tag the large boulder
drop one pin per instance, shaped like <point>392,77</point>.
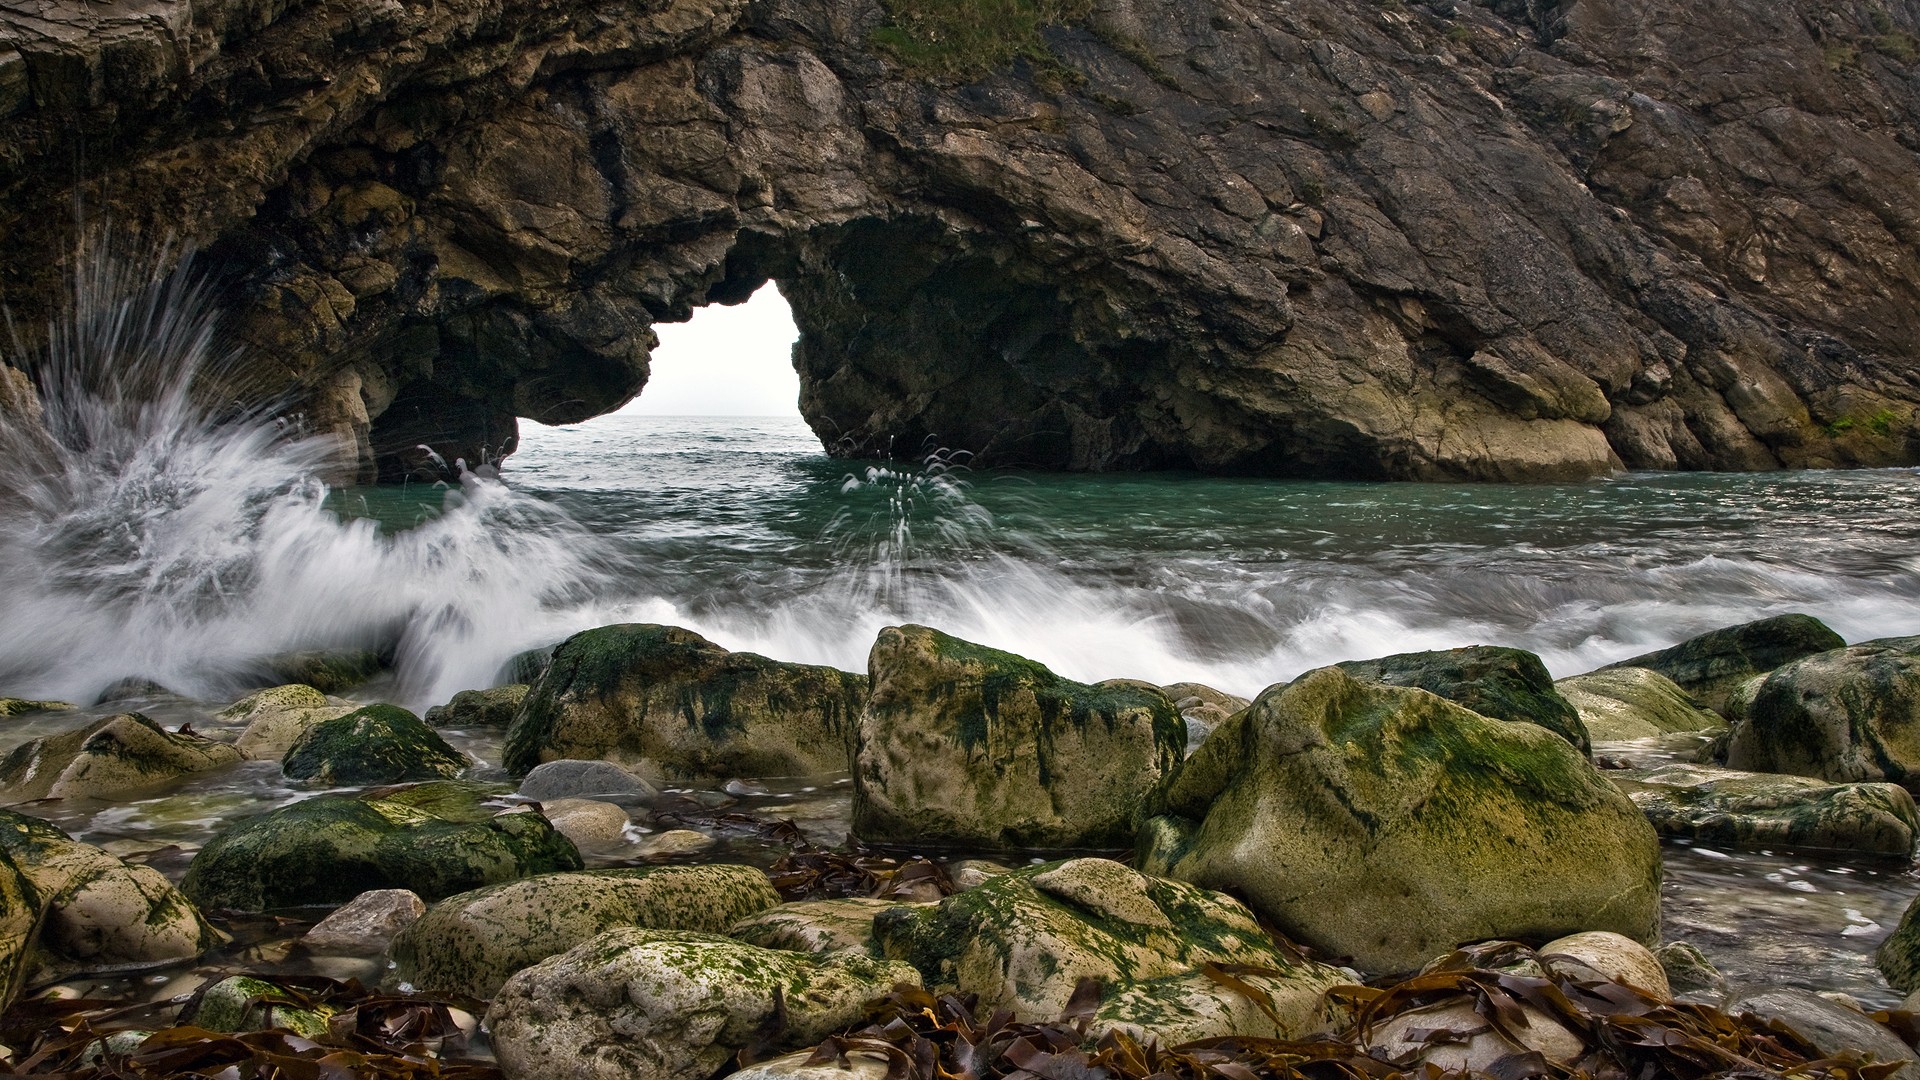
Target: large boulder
<point>1387,824</point>
<point>1025,940</point>
<point>469,944</point>
<point>379,744</point>
<point>1712,666</point>
<point>1727,808</point>
<point>329,849</point>
<point>1506,684</point>
<point>965,745</point>
<point>100,912</point>
<point>276,717</point>
<point>1617,704</point>
<point>670,704</point>
<point>493,708</point>
<point>674,1005</point>
<point>108,757</point>
<point>1849,714</point>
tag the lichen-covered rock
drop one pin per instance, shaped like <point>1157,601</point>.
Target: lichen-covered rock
<point>100,912</point>
<point>1506,684</point>
<point>1608,956</point>
<point>1617,704</point>
<point>493,708</point>
<point>106,758</point>
<point>1689,973</point>
<point>20,915</point>
<point>21,707</point>
<point>1833,1029</point>
<point>815,926</point>
<point>329,849</point>
<point>366,924</point>
<point>1899,955</point>
<point>1727,808</point>
<point>275,718</point>
<point>669,703</point>
<point>569,779</point>
<point>243,1003</point>
<point>673,1005</point>
<point>1025,940</point>
<point>470,943</point>
<point>966,745</point>
<point>1288,1005</point>
<point>1849,714</point>
<point>378,744</point>
<point>1387,824</point>
<point>1711,666</point>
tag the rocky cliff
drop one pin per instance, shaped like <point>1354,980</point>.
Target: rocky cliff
<point>1517,239</point>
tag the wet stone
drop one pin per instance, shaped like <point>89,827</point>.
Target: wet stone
<point>364,925</point>
<point>569,779</point>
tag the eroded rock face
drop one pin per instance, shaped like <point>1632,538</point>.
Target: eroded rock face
<point>669,703</point>
<point>1495,241</point>
<point>1388,824</point>
<point>962,744</point>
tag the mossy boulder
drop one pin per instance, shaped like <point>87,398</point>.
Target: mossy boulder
<point>1899,955</point>
<point>494,708</point>
<point>329,849</point>
<point>1387,824</point>
<point>1752,811</point>
<point>1847,715</point>
<point>117,754</point>
<point>1506,684</point>
<point>379,744</point>
<point>1024,941</point>
<point>20,915</point>
<point>964,745</point>
<point>327,670</point>
<point>100,912</point>
<point>1710,667</point>
<point>276,717</point>
<point>1619,704</point>
<point>243,1003</point>
<point>470,943</point>
<point>674,1005</point>
<point>815,926</point>
<point>21,707</point>
<point>668,703</point>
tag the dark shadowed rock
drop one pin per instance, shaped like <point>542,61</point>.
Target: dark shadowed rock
<point>378,744</point>
<point>1848,715</point>
<point>1712,666</point>
<point>1506,684</point>
<point>493,708</point>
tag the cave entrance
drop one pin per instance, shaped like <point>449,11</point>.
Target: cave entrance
<point>727,360</point>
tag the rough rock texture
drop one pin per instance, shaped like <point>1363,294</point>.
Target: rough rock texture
<point>1494,240</point>
<point>1850,714</point>
<point>1633,703</point>
<point>364,925</point>
<point>1387,824</point>
<point>1025,940</point>
<point>962,744</point>
<point>379,744</point>
<point>107,757</point>
<point>494,708</point>
<point>1689,973</point>
<point>329,849</point>
<point>100,912</point>
<point>1754,811</point>
<point>1832,1028</point>
<point>278,716</point>
<point>671,1005</point>
<point>1506,684</point>
<point>669,703</point>
<point>1714,665</point>
<point>589,823</point>
<point>470,943</point>
<point>815,926</point>
<point>20,914</point>
<point>1899,955</point>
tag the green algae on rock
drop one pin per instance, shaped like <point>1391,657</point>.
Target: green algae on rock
<point>1711,666</point>
<point>107,757</point>
<point>1492,680</point>
<point>21,707</point>
<point>1387,824</point>
<point>331,848</point>
<point>1618,704</point>
<point>667,702</point>
<point>675,1005</point>
<point>20,913</point>
<point>1728,808</point>
<point>277,716</point>
<point>244,1003</point>
<point>471,943</point>
<point>1850,714</point>
<point>961,744</point>
<point>378,744</point>
<point>492,708</point>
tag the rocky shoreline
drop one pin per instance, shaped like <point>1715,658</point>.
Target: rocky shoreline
<point>1136,866</point>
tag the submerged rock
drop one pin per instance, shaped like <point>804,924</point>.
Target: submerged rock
<point>1025,940</point>
<point>329,849</point>
<point>494,708</point>
<point>965,745</point>
<point>1848,715</point>
<point>100,912</point>
<point>107,757</point>
<point>1712,666</point>
<point>1617,704</point>
<point>364,925</point>
<point>673,1005</point>
<point>378,744</point>
<point>1503,683</point>
<point>470,943</point>
<point>277,717</point>
<point>1727,808</point>
<point>669,703</point>
<point>1387,824</point>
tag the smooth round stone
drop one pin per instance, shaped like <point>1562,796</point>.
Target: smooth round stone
<point>581,779</point>
<point>589,823</point>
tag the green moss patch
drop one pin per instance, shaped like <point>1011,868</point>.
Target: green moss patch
<point>967,39</point>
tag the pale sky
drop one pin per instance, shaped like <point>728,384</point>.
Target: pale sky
<point>725,361</point>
